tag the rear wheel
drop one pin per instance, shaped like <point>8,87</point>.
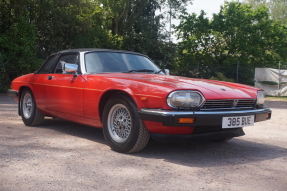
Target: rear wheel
<point>30,114</point>
<point>123,129</point>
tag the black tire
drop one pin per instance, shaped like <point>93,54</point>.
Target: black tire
<point>31,116</point>
<point>123,129</point>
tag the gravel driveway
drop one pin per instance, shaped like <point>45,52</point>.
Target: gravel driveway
<point>62,155</point>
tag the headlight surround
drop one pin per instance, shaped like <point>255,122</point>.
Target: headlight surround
<point>260,98</point>
<point>185,99</point>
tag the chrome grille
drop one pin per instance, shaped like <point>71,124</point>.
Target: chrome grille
<point>245,103</point>
<point>227,104</point>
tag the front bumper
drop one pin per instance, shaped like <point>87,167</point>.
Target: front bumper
<point>12,93</point>
<point>202,118</point>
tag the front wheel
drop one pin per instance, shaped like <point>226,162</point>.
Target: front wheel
<point>123,129</point>
<point>30,114</point>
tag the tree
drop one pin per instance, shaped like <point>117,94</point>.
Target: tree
<point>236,33</point>
<point>36,28</point>
<point>30,30</point>
<point>148,37</point>
<point>141,30</point>
<point>17,42</point>
<point>125,13</point>
<point>60,24</point>
<point>277,8</point>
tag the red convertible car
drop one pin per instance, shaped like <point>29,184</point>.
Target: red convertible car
<point>128,96</point>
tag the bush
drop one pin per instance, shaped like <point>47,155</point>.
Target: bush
<point>221,77</point>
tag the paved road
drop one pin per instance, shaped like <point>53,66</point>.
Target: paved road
<point>61,155</point>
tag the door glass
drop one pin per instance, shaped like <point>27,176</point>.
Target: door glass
<point>48,65</point>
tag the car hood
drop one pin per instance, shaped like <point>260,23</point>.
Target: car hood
<point>209,88</point>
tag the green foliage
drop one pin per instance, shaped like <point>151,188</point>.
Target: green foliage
<point>221,77</point>
<point>269,82</point>
<point>276,98</point>
<point>17,43</point>
<point>124,14</point>
<point>272,83</point>
<point>277,8</point>
<point>146,37</point>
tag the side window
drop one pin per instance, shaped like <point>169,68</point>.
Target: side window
<point>48,65</point>
<point>70,59</point>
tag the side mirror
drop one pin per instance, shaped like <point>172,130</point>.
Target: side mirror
<point>166,71</point>
<point>70,68</point>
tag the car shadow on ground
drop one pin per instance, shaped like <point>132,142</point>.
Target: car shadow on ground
<point>196,154</point>
<point>207,154</point>
<point>74,129</point>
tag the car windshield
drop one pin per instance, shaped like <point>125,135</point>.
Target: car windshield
<point>102,62</point>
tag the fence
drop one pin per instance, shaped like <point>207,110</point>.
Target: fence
<point>273,81</point>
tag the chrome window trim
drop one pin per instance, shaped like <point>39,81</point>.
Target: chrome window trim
<point>82,62</point>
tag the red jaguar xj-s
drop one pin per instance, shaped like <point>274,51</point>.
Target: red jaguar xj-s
<point>128,96</point>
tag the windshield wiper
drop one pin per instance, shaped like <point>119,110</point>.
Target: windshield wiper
<point>141,70</point>
<point>161,70</point>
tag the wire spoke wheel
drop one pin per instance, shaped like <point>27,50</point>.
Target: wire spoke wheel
<point>30,114</point>
<point>123,129</point>
<point>27,106</point>
<point>119,123</point>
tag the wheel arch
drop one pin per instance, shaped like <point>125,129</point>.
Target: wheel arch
<point>107,95</point>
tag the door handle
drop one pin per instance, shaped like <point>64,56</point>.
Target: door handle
<point>50,77</point>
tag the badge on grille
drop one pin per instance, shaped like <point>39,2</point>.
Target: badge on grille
<point>235,102</point>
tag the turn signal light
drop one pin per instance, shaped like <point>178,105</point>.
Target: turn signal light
<point>186,120</point>
<point>268,115</point>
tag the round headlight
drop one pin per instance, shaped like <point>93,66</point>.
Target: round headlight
<point>260,98</point>
<point>185,99</point>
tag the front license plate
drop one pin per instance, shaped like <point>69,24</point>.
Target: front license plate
<point>234,122</point>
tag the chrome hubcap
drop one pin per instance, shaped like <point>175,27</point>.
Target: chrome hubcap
<point>119,123</point>
<point>27,106</point>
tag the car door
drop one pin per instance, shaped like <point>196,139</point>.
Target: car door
<point>64,91</point>
<point>38,81</point>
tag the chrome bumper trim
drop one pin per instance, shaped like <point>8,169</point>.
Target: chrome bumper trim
<point>175,113</point>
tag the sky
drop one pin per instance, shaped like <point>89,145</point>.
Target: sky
<point>209,7</point>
